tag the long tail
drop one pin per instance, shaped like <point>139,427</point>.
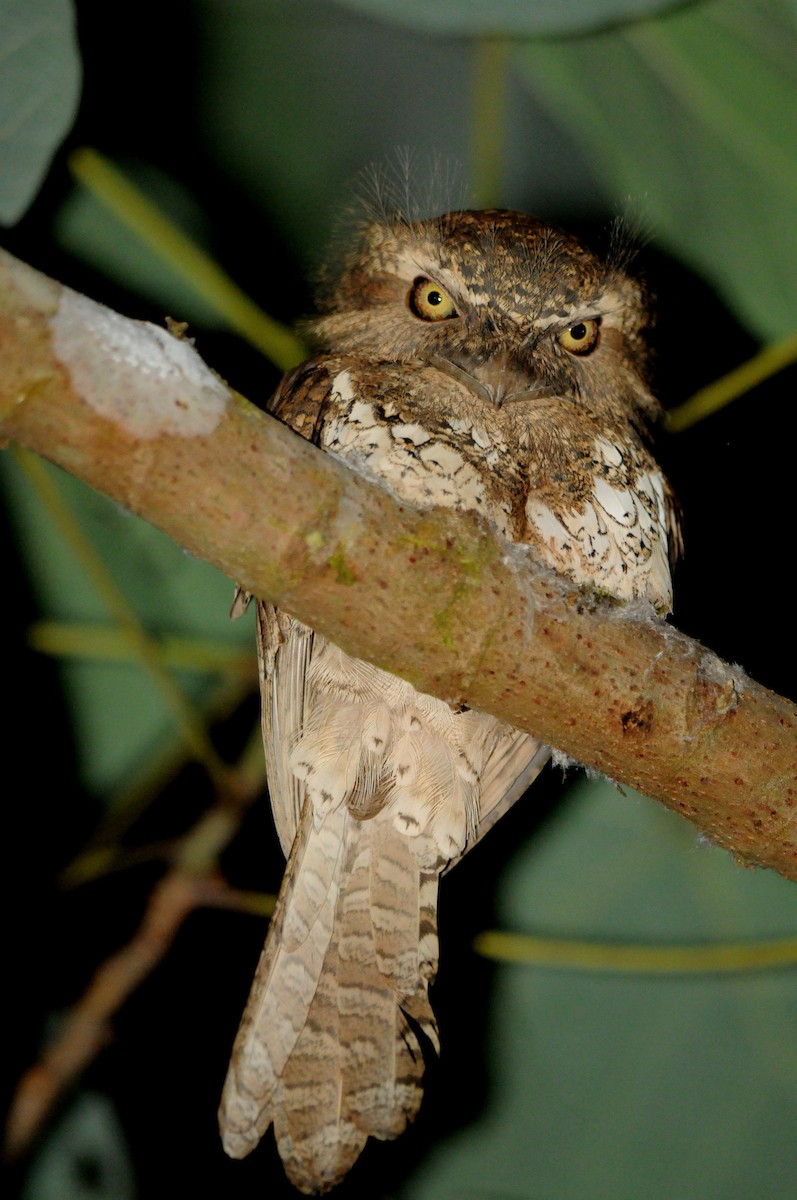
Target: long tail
<point>328,1049</point>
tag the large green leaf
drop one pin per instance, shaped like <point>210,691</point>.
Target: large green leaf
<point>316,94</point>
<point>39,88</point>
<point>516,18</point>
<point>612,1085</point>
<point>694,116</point>
<point>120,718</point>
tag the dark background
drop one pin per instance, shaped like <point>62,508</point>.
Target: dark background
<point>153,102</point>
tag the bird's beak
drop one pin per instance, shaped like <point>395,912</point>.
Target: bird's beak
<point>504,381</point>
<point>498,380</point>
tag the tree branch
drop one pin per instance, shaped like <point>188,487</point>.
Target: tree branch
<point>436,597</point>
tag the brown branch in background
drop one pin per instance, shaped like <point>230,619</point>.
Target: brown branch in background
<point>87,1028</point>
<point>191,883</point>
<point>134,412</point>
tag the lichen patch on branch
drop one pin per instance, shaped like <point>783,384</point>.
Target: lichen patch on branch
<point>132,373</point>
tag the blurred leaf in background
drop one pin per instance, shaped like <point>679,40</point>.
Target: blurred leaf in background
<point>86,1159</point>
<point>39,90</point>
<point>631,1084</point>
<point>693,115</point>
<point>511,18</point>
<point>245,122</point>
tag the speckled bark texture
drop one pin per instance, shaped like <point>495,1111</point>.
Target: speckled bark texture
<point>435,597</point>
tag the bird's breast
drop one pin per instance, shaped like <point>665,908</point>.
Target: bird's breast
<point>591,502</point>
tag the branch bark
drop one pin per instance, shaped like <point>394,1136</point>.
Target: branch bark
<point>436,597</point>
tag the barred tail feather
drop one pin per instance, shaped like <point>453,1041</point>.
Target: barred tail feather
<point>328,1050</point>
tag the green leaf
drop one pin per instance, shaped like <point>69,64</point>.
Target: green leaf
<point>693,116</point>
<point>85,1156</point>
<point>39,89</point>
<point>515,18</point>
<point>610,1085</point>
<point>120,717</point>
<point>315,95</point>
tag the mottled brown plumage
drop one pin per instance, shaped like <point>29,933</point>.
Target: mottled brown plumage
<point>480,361</point>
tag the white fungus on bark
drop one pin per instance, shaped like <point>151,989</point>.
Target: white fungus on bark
<point>142,378</point>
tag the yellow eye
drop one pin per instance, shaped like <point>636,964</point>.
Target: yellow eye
<point>429,302</point>
<point>581,338</point>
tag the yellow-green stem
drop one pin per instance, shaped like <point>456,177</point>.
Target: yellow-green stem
<point>489,117</point>
<point>638,959</point>
<point>145,649</point>
<point>197,268</point>
<point>729,387</point>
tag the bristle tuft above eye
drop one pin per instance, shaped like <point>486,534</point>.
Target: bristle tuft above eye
<point>409,188</point>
